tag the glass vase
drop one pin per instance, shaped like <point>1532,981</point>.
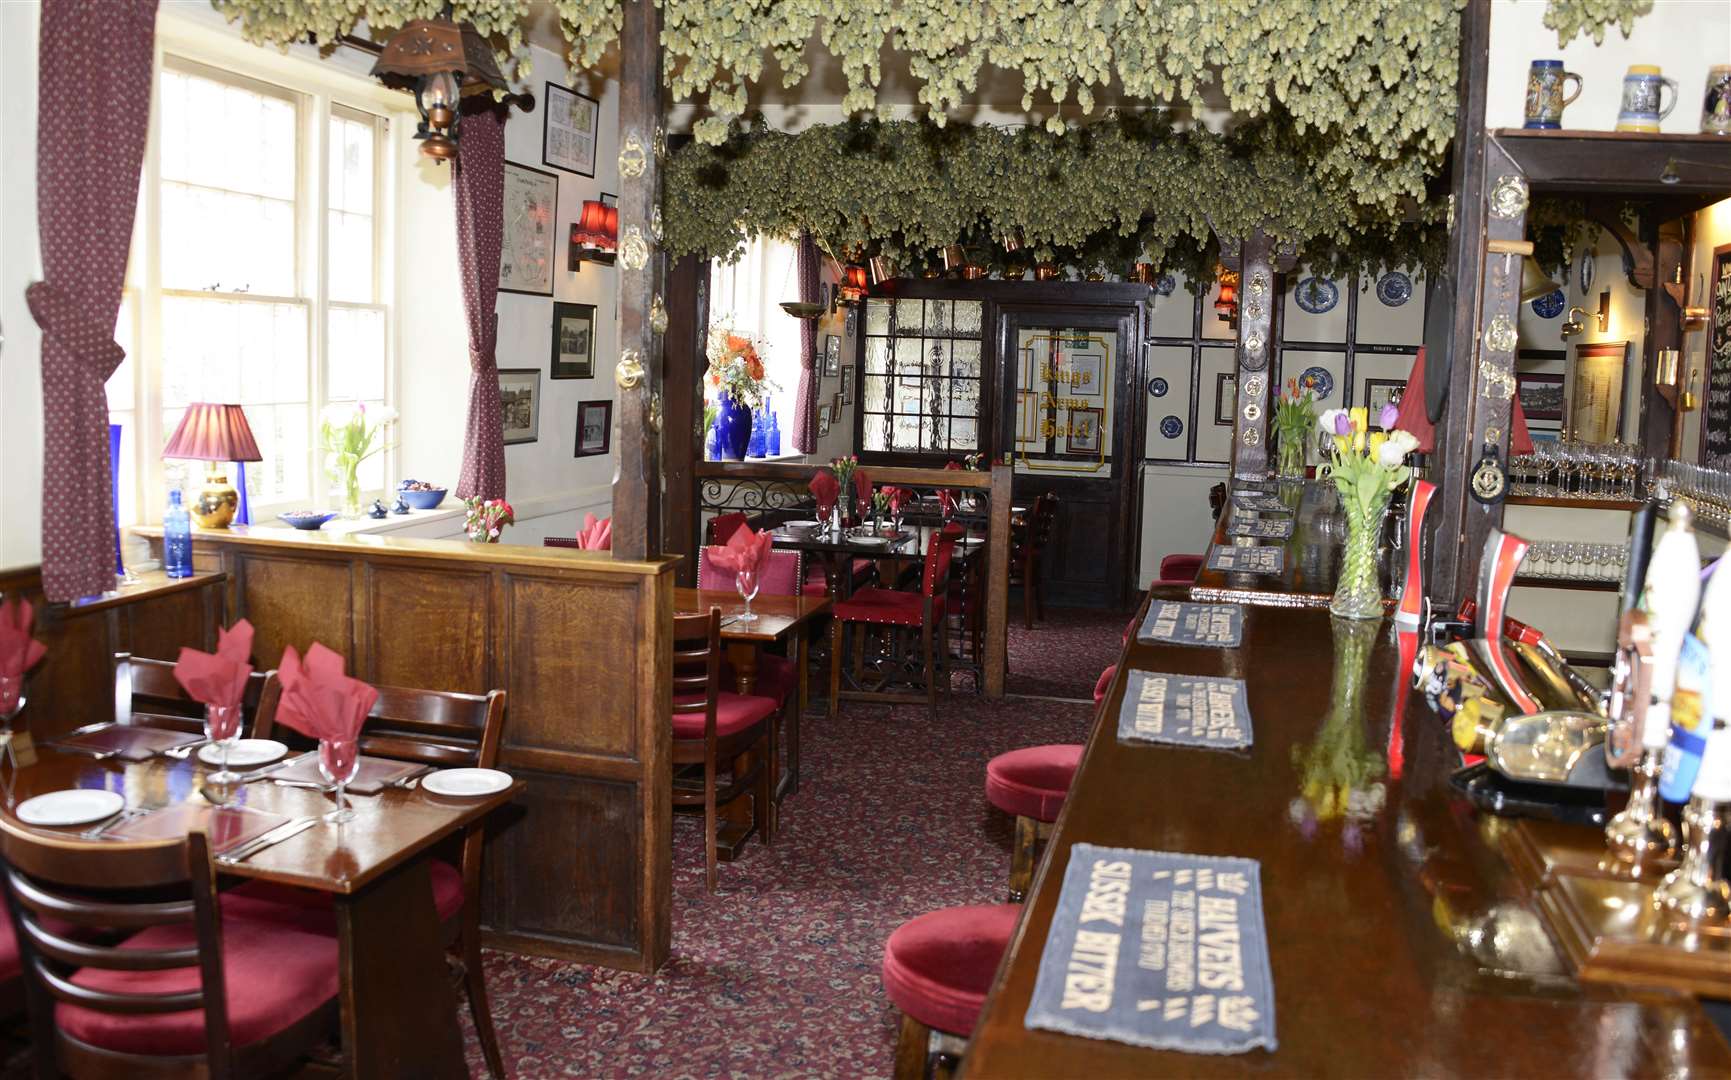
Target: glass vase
<point>1357,593</point>
<point>1289,460</point>
<point>351,478</point>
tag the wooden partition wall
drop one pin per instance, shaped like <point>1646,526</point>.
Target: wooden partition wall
<point>580,642</point>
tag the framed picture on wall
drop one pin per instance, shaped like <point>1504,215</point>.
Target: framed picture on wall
<point>1087,371</point>
<point>1541,395</point>
<point>835,406</point>
<point>1380,392</point>
<point>1595,409</point>
<point>568,130</point>
<point>594,428</point>
<point>520,404</point>
<point>1225,397</point>
<point>831,355</point>
<point>1084,434</point>
<point>822,422</point>
<point>573,341</point>
<point>847,385</point>
<point>610,199</point>
<point>526,253</point>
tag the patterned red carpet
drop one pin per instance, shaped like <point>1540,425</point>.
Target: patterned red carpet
<point>778,973</point>
<point>1064,655</point>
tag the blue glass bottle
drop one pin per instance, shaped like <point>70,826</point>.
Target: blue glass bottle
<point>758,435</point>
<point>176,539</point>
<point>774,436</point>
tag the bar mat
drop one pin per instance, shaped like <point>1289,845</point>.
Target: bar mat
<point>372,777</point>
<point>127,742</point>
<point>227,826</point>
<point>1279,528</point>
<point>1158,949</point>
<point>1251,560</point>
<point>1260,501</point>
<point>1185,710</point>
<point>1180,622</point>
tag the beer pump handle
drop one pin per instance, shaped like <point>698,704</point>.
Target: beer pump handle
<point>1640,551</point>
<point>1713,780</point>
<point>1670,597</point>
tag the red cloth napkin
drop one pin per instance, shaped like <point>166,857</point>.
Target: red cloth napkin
<point>19,652</point>
<point>218,678</point>
<point>744,550</point>
<point>824,489</point>
<point>595,535</point>
<point>898,498</point>
<point>862,486</point>
<point>318,699</point>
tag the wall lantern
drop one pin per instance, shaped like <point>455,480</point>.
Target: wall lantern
<point>441,61</point>
<point>853,285</point>
<point>1226,304</point>
<point>1573,325</point>
<point>594,235</point>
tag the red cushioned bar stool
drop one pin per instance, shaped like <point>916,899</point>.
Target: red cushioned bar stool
<point>1031,784</point>
<point>937,970</point>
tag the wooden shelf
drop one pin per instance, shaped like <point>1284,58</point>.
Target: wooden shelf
<point>1572,502</point>
<point>1577,584</point>
<point>1623,163</point>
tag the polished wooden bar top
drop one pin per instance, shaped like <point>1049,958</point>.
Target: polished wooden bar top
<point>387,830</point>
<point>1312,553</point>
<point>145,585</point>
<point>776,615</point>
<point>1399,941</point>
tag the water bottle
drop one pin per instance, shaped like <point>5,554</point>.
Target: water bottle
<point>176,539</point>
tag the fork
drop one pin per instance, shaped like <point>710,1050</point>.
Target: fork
<point>95,832</point>
<point>181,753</point>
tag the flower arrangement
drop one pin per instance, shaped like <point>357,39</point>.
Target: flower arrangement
<point>1340,773</point>
<point>844,467</point>
<point>350,433</point>
<point>735,367</point>
<point>1366,467</point>
<point>485,519</point>
<point>972,462</point>
<point>1294,414</point>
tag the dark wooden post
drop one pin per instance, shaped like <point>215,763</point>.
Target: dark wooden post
<point>1659,404</point>
<point>642,311</point>
<point>1254,256</point>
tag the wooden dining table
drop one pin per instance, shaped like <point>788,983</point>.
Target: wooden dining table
<point>398,1006</point>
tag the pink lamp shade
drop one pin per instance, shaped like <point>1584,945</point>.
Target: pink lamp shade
<point>213,432</point>
<point>1412,415</point>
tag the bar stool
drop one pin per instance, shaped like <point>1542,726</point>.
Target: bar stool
<point>1030,784</point>
<point>1105,684</point>
<point>1180,568</point>
<point>937,970</point>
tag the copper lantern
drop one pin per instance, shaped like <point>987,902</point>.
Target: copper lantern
<point>441,61</point>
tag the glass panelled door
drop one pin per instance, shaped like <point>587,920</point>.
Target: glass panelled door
<point>1064,400</point>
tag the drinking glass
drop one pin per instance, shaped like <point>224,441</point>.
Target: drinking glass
<point>1546,453</point>
<point>746,582</point>
<point>339,761</point>
<point>222,728</point>
<point>1571,556</point>
<point>824,515</point>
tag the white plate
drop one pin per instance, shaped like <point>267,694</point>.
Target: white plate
<point>799,524</point>
<point>72,807</point>
<point>465,781</point>
<point>971,540</point>
<point>245,753</point>
<point>868,541</point>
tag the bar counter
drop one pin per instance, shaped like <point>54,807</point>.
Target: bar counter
<point>1312,554</point>
<point>1399,940</point>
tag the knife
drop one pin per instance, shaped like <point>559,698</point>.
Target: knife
<point>273,837</point>
<point>266,770</point>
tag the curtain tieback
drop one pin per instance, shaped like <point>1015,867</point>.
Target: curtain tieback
<point>68,319</point>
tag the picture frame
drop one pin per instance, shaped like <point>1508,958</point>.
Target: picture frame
<point>1225,397</point>
<point>847,381</point>
<point>1090,369</point>
<point>526,252</point>
<point>831,355</point>
<point>610,199</point>
<point>1082,434</point>
<point>594,428</point>
<point>573,341</point>
<point>1542,395</point>
<point>822,421</point>
<point>1027,417</point>
<point>1380,392</point>
<point>1596,405</point>
<point>570,125</point>
<point>835,406</point>
<point>520,404</point>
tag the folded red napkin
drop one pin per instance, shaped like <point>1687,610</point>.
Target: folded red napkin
<point>744,550</point>
<point>595,535</point>
<point>862,486</point>
<point>898,498</point>
<point>218,678</point>
<point>19,652</point>
<point>318,699</point>
<point>824,489</point>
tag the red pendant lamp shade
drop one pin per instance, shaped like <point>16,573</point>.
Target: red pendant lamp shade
<point>610,229</point>
<point>591,228</point>
<point>213,432</point>
<point>1413,419</point>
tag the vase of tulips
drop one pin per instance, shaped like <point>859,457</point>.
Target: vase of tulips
<point>1367,467</point>
<point>350,433</point>
<point>1294,419</point>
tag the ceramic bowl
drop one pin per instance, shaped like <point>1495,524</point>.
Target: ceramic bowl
<point>306,520</point>
<point>423,500</point>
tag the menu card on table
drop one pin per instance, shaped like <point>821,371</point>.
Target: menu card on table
<point>228,827</point>
<point>1186,710</point>
<point>126,742</point>
<point>1264,559</point>
<point>1262,501</point>
<point>1279,528</point>
<point>1180,622</point>
<point>373,776</point>
<point>1158,949</point>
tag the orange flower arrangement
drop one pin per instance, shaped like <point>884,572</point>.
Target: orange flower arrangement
<point>735,366</point>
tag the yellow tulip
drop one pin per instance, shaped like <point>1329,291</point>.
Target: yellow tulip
<point>1360,425</point>
<point>1342,446</point>
<point>1377,438</point>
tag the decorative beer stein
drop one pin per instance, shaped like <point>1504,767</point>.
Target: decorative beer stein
<point>1545,100</point>
<point>1643,90</point>
<point>1716,109</point>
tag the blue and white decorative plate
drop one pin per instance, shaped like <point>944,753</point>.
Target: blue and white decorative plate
<point>1165,285</point>
<point>1171,427</point>
<point>1318,380</point>
<point>1157,386</point>
<point>1584,269</point>
<point>1394,288</point>
<point>1549,307</point>
<point>1317,295</point>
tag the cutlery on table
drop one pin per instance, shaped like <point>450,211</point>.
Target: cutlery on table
<point>181,753</point>
<point>94,755</point>
<point>270,839</point>
<point>96,831</point>
<point>265,770</point>
<point>411,779</point>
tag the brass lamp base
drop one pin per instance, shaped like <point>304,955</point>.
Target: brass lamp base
<point>216,503</point>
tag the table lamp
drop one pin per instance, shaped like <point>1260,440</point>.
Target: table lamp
<point>214,434</point>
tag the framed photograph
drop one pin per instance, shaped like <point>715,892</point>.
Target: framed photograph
<point>1084,434</point>
<point>568,129</point>
<point>822,422</point>
<point>1088,369</point>
<point>1027,417</point>
<point>1380,392</point>
<point>526,255</point>
<point>835,406</point>
<point>1541,395</point>
<point>1225,397</point>
<point>520,404</point>
<point>1596,406</point>
<point>847,385</point>
<point>610,199</point>
<point>594,428</point>
<point>831,355</point>
<point>573,341</point>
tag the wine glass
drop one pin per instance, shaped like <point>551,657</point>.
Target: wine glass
<point>11,704</point>
<point>339,761</point>
<point>222,728</point>
<point>825,513</point>
<point>746,582</point>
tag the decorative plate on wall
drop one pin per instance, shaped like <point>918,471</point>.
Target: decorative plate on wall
<point>1157,386</point>
<point>1317,295</point>
<point>1394,288</point>
<point>1171,427</point>
<point>1549,307</point>
<point>1318,380</point>
<point>1165,285</point>
<point>1584,269</point>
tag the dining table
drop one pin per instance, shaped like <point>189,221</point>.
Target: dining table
<point>398,1005</point>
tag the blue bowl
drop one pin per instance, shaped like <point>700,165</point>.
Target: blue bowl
<point>308,522</point>
<point>423,500</point>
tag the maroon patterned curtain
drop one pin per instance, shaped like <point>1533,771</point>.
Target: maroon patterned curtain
<point>480,189</point>
<point>804,401</point>
<point>92,116</point>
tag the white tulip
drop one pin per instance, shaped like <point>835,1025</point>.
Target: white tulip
<point>1325,422</point>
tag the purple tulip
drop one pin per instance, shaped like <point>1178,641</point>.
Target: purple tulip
<point>1390,414</point>
<point>1342,424</point>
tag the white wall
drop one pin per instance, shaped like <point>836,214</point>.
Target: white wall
<point>20,264</point>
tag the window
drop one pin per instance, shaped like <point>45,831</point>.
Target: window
<point>257,277</point>
<point>749,294</point>
<point>921,390</point>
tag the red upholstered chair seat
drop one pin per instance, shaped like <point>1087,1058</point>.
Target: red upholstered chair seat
<point>1033,781</point>
<point>1104,684</point>
<point>733,714</point>
<point>885,606</point>
<point>1181,568</point>
<point>723,526</point>
<point>816,581</point>
<point>938,967</point>
<point>277,974</point>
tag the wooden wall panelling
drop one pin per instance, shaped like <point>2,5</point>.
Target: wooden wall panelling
<point>295,601</point>
<point>417,618</point>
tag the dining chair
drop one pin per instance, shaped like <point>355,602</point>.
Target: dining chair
<point>445,730</point>
<point>1028,545</point>
<point>780,677</point>
<point>899,615</point>
<point>723,526</point>
<point>193,986</point>
<point>717,730</point>
<point>937,969</point>
<point>146,693</point>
